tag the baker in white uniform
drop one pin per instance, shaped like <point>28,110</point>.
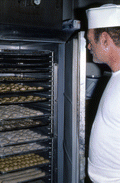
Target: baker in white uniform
<point>104,44</point>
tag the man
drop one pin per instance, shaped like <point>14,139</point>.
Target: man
<point>104,44</point>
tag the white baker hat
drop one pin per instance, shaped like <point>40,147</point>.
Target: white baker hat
<point>107,15</point>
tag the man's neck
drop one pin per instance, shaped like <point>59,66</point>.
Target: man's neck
<point>115,59</point>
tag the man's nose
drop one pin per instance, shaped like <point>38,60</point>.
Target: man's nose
<point>89,46</point>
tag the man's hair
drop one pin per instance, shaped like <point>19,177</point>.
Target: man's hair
<point>114,33</point>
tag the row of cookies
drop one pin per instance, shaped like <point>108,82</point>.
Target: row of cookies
<point>14,87</point>
<point>20,136</point>
<point>19,99</point>
<point>21,161</point>
<point>16,111</point>
<point>10,150</point>
<point>11,124</point>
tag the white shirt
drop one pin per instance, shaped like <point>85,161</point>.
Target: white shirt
<point>104,147</point>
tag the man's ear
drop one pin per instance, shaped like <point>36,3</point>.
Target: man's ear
<point>105,39</point>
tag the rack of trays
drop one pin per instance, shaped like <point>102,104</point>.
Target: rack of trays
<point>26,120</point>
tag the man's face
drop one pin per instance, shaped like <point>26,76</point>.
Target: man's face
<point>94,47</point>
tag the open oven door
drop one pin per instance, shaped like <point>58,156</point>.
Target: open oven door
<point>74,101</point>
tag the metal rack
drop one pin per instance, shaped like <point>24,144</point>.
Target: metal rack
<point>27,109</point>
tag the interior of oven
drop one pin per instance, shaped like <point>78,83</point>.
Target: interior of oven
<point>27,122</point>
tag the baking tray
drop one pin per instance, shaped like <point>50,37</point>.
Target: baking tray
<point>22,149</point>
<point>22,70</point>
<point>20,112</point>
<point>26,117</point>
<point>6,125</point>
<point>20,88</point>
<point>24,62</point>
<point>20,79</point>
<point>19,99</point>
<point>22,162</point>
<point>26,175</point>
<point>36,181</point>
<point>26,53</point>
<point>22,136</point>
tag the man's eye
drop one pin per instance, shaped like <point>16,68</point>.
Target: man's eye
<point>88,42</point>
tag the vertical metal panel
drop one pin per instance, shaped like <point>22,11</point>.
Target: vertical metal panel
<point>74,139</point>
<point>75,160</point>
<point>68,113</point>
<point>61,56</point>
<point>81,97</point>
<point>55,125</point>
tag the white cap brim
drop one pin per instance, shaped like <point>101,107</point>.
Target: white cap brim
<point>107,15</point>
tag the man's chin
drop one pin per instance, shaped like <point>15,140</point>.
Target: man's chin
<point>97,61</point>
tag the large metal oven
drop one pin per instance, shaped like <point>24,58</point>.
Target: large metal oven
<point>28,112</point>
<point>42,103</point>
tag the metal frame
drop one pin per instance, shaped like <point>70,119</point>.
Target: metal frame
<point>61,62</point>
<point>75,152</point>
<point>81,102</point>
